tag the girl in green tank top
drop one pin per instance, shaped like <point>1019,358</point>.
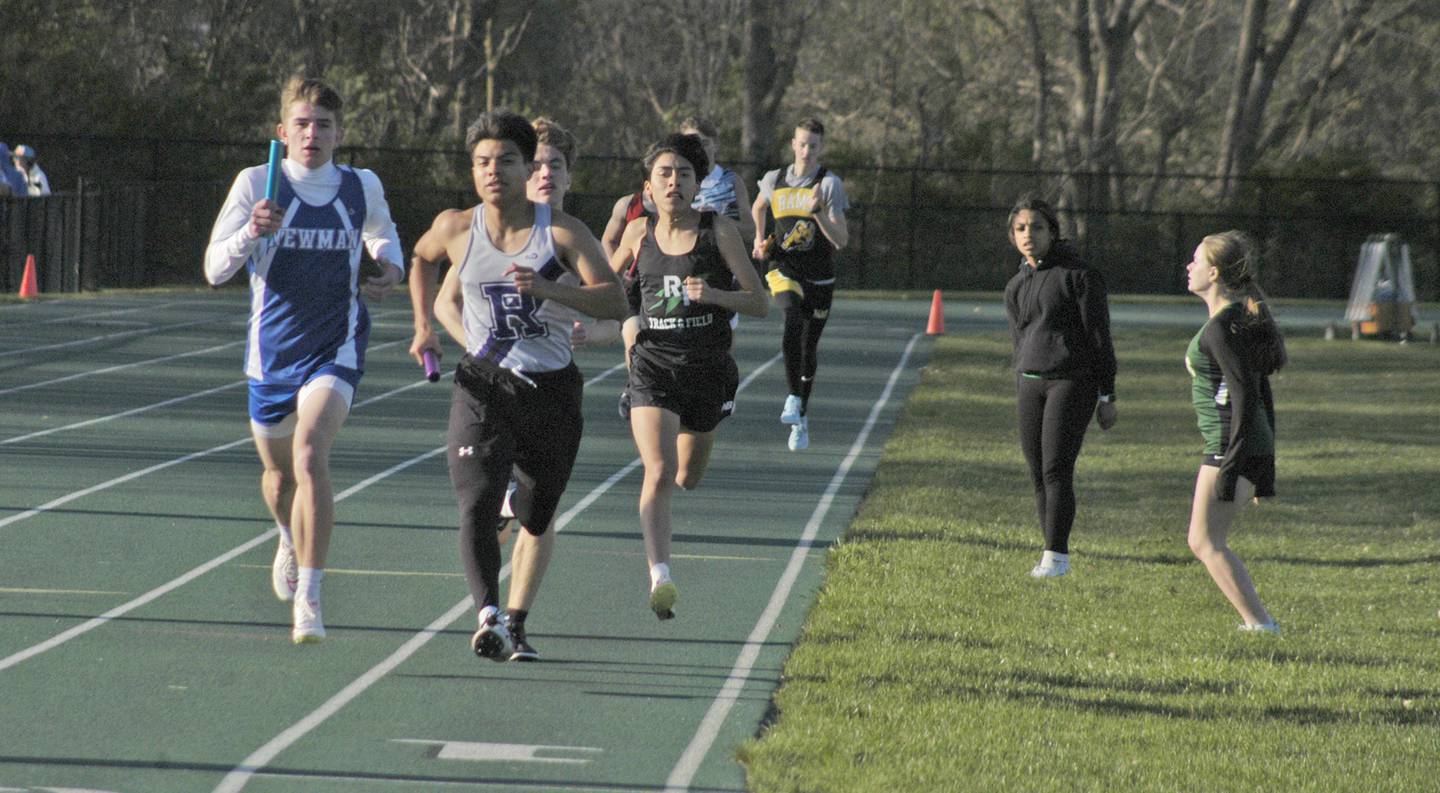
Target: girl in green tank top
<point>1230,361</point>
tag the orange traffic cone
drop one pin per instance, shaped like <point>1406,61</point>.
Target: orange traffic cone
<point>28,286</point>
<point>937,317</point>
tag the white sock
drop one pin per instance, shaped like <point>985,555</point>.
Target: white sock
<point>659,573</point>
<point>1053,559</point>
<point>308,585</point>
<point>285,535</point>
<point>489,611</point>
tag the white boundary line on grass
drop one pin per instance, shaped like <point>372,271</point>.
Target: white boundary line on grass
<point>253,765</point>
<point>694,754</point>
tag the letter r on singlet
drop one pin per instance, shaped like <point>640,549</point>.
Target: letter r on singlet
<point>512,314</point>
<point>673,287</point>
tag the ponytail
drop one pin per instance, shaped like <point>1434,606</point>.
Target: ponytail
<point>1234,256</point>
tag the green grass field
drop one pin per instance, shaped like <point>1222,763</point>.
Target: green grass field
<point>933,662</point>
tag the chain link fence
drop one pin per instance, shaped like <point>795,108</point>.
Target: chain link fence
<point>141,216</point>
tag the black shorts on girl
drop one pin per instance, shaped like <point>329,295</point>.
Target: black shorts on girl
<point>1260,470</point>
<point>701,392</point>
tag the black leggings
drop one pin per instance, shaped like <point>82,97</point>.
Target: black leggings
<point>498,421</point>
<point>1053,417</point>
<point>805,320</point>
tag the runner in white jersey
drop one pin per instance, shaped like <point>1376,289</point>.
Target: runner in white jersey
<point>518,268</point>
<point>308,327</point>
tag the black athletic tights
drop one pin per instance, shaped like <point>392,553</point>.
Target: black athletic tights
<point>804,322</point>
<point>1053,417</point>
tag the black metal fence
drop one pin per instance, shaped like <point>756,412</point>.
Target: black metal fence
<point>148,221</point>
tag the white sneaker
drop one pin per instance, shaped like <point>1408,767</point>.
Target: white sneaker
<point>1264,627</point>
<point>662,598</point>
<point>791,413</point>
<point>284,573</point>
<point>506,510</point>
<point>493,639</point>
<point>308,627</point>
<point>800,435</point>
<point>1052,565</point>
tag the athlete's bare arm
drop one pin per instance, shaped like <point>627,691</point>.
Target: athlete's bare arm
<point>429,252</point>
<point>628,245</point>
<point>742,200</point>
<point>750,299</point>
<point>758,211</point>
<point>615,228</point>
<point>599,294</point>
<point>450,306</point>
<point>831,222</point>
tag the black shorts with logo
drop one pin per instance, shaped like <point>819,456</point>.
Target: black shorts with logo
<point>701,392</point>
<point>498,420</point>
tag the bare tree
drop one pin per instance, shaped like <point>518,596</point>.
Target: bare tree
<point>771,41</point>
<point>442,51</point>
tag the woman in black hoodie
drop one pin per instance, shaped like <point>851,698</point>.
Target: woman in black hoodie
<point>1064,364</point>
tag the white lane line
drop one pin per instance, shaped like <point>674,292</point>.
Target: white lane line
<point>131,412</point>
<point>119,335</point>
<point>86,317</point>
<point>153,361</point>
<point>689,764</point>
<point>252,765</point>
<point>21,590</point>
<point>119,367</point>
<point>329,571</point>
<point>83,628</point>
<point>92,624</point>
<point>176,400</point>
<point>119,480</point>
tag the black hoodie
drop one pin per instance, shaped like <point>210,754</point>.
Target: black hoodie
<point>1060,319</point>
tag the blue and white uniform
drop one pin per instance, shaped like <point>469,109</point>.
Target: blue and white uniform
<point>307,321</point>
<point>717,193</point>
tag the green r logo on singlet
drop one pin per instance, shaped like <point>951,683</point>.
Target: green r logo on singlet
<point>672,293</point>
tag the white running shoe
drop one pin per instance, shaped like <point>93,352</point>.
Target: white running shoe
<point>506,510</point>
<point>493,639</point>
<point>1052,565</point>
<point>800,435</point>
<point>662,598</point>
<point>1264,627</point>
<point>308,627</point>
<point>791,413</point>
<point>284,573</point>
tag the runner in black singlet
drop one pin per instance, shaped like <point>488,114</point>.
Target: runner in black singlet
<point>682,378</point>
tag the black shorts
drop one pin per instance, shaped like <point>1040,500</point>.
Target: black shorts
<point>1260,470</point>
<point>498,420</point>
<point>702,394</point>
<point>793,293</point>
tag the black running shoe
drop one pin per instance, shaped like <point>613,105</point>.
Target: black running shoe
<point>625,404</point>
<point>523,650</point>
